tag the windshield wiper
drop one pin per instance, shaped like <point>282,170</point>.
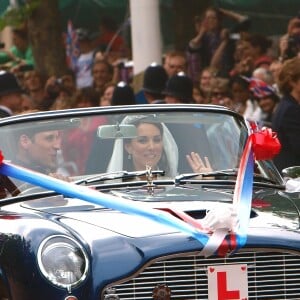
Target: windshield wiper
<point>204,175</point>
<point>118,175</point>
<point>259,178</point>
<point>22,198</point>
<point>218,174</point>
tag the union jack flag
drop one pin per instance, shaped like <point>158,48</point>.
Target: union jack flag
<point>72,48</point>
<point>259,88</point>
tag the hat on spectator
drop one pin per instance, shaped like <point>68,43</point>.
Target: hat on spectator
<point>180,86</point>
<point>155,78</point>
<point>263,60</point>
<point>9,84</point>
<point>259,88</point>
<point>123,94</point>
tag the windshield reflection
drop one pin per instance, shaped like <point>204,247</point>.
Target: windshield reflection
<point>173,142</point>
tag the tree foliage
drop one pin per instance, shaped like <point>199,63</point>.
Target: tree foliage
<point>15,16</point>
<point>43,21</point>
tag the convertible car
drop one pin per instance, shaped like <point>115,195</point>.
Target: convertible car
<point>96,205</point>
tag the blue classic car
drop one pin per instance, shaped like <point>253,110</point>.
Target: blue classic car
<point>144,202</point>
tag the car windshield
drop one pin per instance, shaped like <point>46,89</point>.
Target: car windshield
<point>83,144</point>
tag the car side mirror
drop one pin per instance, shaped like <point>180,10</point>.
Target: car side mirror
<point>291,172</point>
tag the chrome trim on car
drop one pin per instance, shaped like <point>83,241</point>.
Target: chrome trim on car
<point>272,274</point>
<point>44,272</point>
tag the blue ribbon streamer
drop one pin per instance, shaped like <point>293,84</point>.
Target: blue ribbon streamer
<point>98,198</point>
<point>243,193</point>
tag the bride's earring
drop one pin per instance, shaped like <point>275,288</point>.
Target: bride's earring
<point>129,156</point>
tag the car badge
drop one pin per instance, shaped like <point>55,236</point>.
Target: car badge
<point>162,292</point>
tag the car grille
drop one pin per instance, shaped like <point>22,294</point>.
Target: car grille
<point>271,275</point>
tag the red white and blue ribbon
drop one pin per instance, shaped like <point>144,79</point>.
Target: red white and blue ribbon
<point>242,197</point>
<point>260,145</point>
<point>230,233</point>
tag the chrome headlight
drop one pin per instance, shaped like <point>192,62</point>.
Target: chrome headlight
<point>62,261</point>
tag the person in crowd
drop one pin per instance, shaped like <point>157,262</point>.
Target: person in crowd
<point>220,93</point>
<point>154,82</point>
<point>212,41</point>
<point>256,46</point>
<point>102,72</point>
<point>105,99</point>
<point>267,99</point>
<point>122,66</point>
<point>253,54</point>
<point>20,54</point>
<point>85,97</point>
<point>59,91</point>
<point>68,82</point>
<point>10,94</point>
<point>242,65</point>
<point>174,61</point>
<point>35,87</point>
<point>286,120</point>
<point>179,89</point>
<point>77,144</point>
<point>205,79</point>
<point>289,43</point>
<point>123,94</point>
<point>243,101</point>
<point>198,95</point>
<point>153,147</point>
<point>85,59</point>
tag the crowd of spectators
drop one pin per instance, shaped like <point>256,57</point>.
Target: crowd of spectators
<point>247,72</point>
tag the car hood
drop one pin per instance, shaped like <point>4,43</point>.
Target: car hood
<point>270,209</point>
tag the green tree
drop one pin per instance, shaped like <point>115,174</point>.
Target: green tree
<point>45,33</point>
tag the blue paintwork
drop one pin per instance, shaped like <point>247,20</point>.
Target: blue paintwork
<point>115,254</point>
